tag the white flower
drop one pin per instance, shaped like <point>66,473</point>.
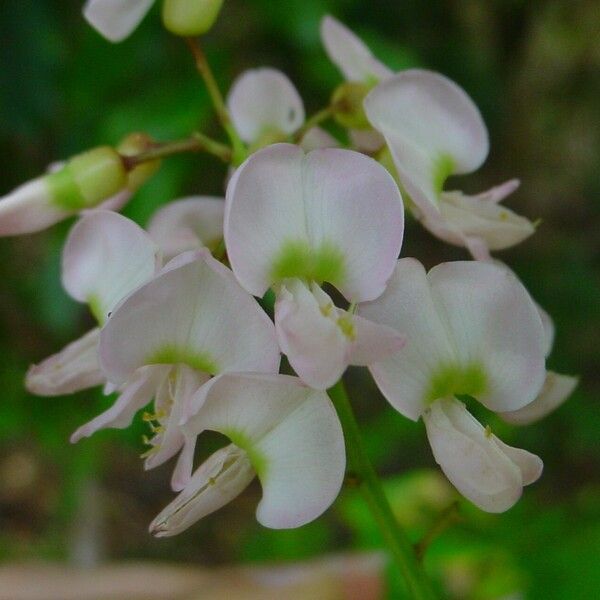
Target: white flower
<point>434,130</point>
<point>284,432</point>
<point>473,330</point>
<point>294,221</point>
<point>190,322</point>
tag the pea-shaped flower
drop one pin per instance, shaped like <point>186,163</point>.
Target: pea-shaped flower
<point>192,321</point>
<point>472,330</point>
<point>294,221</point>
<point>434,130</point>
<point>284,432</point>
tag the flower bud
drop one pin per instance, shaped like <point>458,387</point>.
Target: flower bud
<point>87,179</point>
<point>190,17</point>
<point>347,104</point>
<point>82,182</point>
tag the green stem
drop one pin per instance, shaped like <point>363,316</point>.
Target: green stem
<point>313,121</point>
<point>239,148</point>
<point>198,142</point>
<point>397,540</point>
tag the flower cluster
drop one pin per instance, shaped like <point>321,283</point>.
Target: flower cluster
<point>312,226</point>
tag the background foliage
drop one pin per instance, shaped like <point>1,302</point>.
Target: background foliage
<point>533,68</point>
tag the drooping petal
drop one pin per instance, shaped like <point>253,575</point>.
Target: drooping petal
<point>292,437</point>
<point>477,222</point>
<point>373,342</point>
<point>106,256</point>
<point>29,208</point>
<point>470,217</point>
<point>317,137</point>
<point>116,19</point>
<point>482,468</point>
<point>432,128</point>
<point>496,331</point>
<point>188,224</point>
<point>350,54</point>
<point>194,313</point>
<point>72,369</point>
<point>215,483</point>
<point>321,340</point>
<point>331,215</point>
<point>263,101</point>
<point>134,395</point>
<point>407,305</point>
<point>314,344</point>
<point>556,389</point>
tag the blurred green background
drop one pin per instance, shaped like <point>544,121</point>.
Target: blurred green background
<point>532,67</point>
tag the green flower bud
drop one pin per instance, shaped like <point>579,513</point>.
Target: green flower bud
<point>190,17</point>
<point>347,104</point>
<point>87,179</point>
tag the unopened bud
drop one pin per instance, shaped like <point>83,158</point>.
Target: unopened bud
<point>136,143</point>
<point>347,105</point>
<point>190,17</point>
<point>83,182</point>
<point>87,179</point>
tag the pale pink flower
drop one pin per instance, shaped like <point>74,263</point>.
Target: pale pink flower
<point>434,130</point>
<point>190,322</point>
<point>284,432</point>
<point>472,329</point>
<point>294,221</point>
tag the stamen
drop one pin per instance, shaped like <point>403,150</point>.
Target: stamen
<point>347,326</point>
<point>327,309</point>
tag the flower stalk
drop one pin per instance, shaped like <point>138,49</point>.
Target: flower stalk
<point>372,490</point>
<point>313,121</point>
<point>203,67</point>
<point>197,142</point>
